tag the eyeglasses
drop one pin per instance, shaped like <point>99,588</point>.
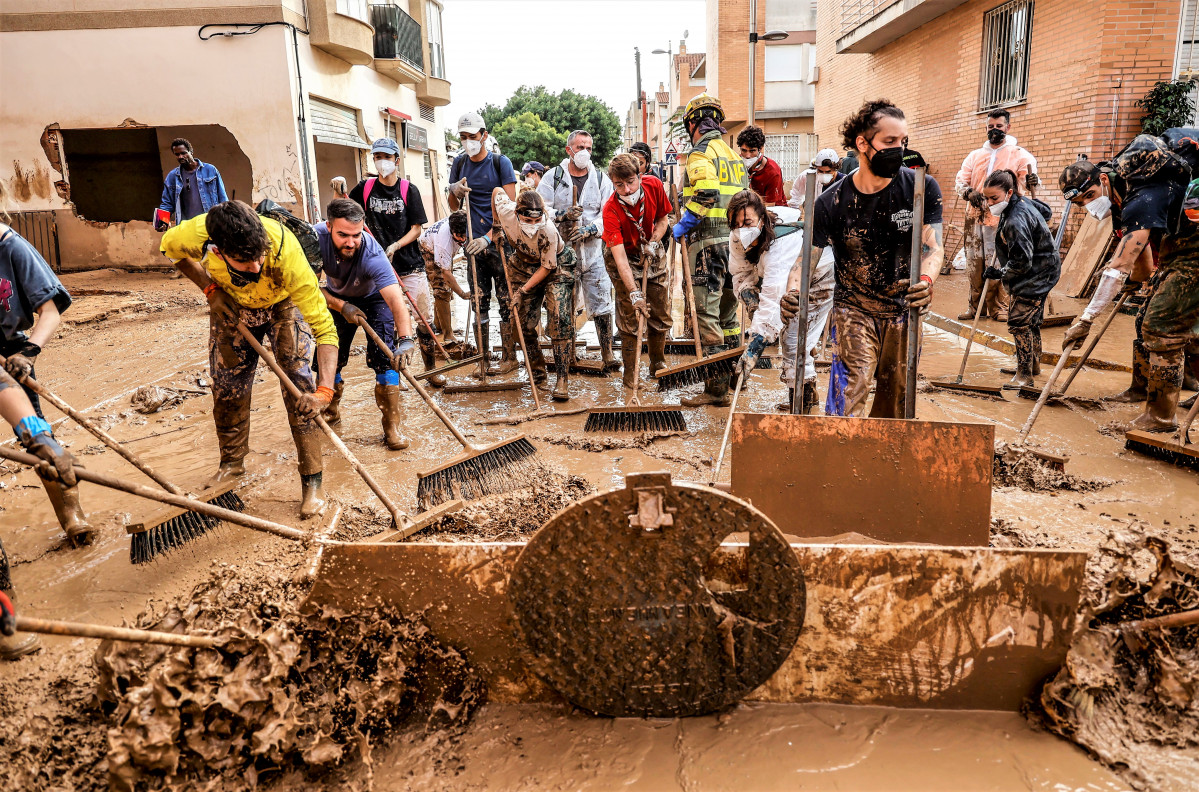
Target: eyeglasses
<point>532,214</point>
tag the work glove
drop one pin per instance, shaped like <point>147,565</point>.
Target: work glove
<point>581,234</point>
<point>352,313</point>
<point>390,252</point>
<point>338,184</point>
<point>919,294</point>
<point>789,305</point>
<point>749,298</point>
<point>749,358</point>
<point>57,462</point>
<point>640,306</point>
<point>651,250</point>
<point>993,273</point>
<point>677,231</point>
<point>310,405</point>
<point>404,347</point>
<point>20,364</point>
<point>1130,286</point>
<point>976,199</point>
<point>476,246</point>
<point>459,188</point>
<point>573,213</point>
<point>517,301</point>
<point>223,306</point>
<point>1076,333</point>
<point>1032,180</point>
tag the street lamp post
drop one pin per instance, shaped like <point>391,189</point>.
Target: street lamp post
<point>754,38</point>
<point>669,53</point>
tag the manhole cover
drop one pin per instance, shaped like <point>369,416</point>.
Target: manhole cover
<point>628,608</point>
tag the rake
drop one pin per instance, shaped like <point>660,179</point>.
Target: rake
<point>481,470</point>
<point>405,524</point>
<point>722,364</point>
<point>633,417</point>
<point>173,522</point>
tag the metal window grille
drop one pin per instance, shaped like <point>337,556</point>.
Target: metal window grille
<point>397,35</point>
<point>427,112</point>
<point>793,153</point>
<point>428,166</point>
<point>1007,32</point>
<point>1186,66</point>
<point>354,8</point>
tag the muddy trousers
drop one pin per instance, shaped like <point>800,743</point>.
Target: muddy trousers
<point>1025,316</point>
<point>868,349</point>
<point>980,249</point>
<point>530,318</point>
<point>1170,326</point>
<point>233,362</point>
<point>491,280</point>
<point>818,314</point>
<point>443,310</point>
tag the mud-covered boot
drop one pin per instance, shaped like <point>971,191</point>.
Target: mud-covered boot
<point>603,331</point>
<point>657,352</point>
<point>628,355</point>
<point>65,501</point>
<point>312,495</point>
<point>428,355</point>
<point>562,352</point>
<point>482,339</point>
<point>508,361</point>
<point>332,411</point>
<point>227,472</point>
<point>443,319</point>
<point>1024,361</point>
<point>1190,373</point>
<point>1165,385</point>
<point>308,457</point>
<point>785,407</point>
<point>810,398</point>
<point>17,645</point>
<point>387,397</point>
<point>1138,391</point>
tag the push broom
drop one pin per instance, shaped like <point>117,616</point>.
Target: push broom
<point>451,365</point>
<point>405,524</point>
<point>1177,449</point>
<point>722,364</point>
<point>481,470</point>
<point>175,522</point>
<point>957,383</point>
<point>633,417</point>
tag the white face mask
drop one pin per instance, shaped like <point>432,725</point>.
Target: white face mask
<point>581,158</point>
<point>385,167</point>
<point>529,229</point>
<point>632,200</point>
<point>529,181</point>
<point>1100,208</point>
<point>751,161</point>
<point>748,235</point>
<point>997,208</point>
<point>473,147</point>
<point>824,178</point>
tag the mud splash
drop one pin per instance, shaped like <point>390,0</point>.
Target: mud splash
<point>1134,707</point>
<point>511,515</point>
<point>1020,467</point>
<point>288,692</point>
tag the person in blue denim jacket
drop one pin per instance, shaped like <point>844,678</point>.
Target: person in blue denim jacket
<point>191,189</point>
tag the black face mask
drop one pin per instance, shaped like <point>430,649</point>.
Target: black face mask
<point>886,162</point>
<point>240,278</point>
<point>996,136</point>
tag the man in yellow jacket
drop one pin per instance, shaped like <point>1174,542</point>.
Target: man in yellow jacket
<point>253,270</point>
<point>713,176</point>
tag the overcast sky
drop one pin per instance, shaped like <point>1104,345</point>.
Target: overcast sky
<point>492,47</point>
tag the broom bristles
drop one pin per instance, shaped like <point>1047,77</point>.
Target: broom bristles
<point>696,373</point>
<point>635,420</point>
<point>501,469</point>
<point>1181,456</point>
<point>179,529</point>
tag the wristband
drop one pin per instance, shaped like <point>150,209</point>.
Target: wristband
<point>928,278</point>
<point>30,427</point>
<point>324,393</point>
<point>209,289</point>
<point>30,350</point>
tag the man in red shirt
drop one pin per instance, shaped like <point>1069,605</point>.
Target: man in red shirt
<point>765,175</point>
<point>636,218</point>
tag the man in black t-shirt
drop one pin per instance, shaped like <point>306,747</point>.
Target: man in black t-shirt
<point>867,219</point>
<point>395,215</point>
<point>1145,204</point>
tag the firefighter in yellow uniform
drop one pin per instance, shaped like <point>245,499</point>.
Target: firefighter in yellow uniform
<point>714,175</point>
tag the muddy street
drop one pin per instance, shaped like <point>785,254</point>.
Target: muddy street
<point>509,746</point>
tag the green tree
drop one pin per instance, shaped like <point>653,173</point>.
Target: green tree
<point>565,111</point>
<point>525,137</point>
<point>1167,105</point>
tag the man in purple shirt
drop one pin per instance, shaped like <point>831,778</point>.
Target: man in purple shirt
<point>360,282</point>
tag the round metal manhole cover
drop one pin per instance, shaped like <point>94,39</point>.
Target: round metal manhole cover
<point>629,607</point>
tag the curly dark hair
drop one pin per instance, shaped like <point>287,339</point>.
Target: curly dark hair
<point>744,200</point>
<point>458,223</point>
<point>181,142</point>
<point>752,137</point>
<point>237,230</point>
<point>1004,179</point>
<point>865,121</point>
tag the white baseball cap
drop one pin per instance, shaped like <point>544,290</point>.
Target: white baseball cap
<point>470,123</point>
<point>825,157</point>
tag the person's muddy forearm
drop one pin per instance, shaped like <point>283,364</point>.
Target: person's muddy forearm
<point>194,272</point>
<point>326,363</point>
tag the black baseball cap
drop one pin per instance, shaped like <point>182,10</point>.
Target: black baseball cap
<point>1077,178</point>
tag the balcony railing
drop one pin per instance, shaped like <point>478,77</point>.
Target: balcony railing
<point>397,35</point>
<point>855,12</point>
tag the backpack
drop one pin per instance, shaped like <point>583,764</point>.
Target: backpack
<point>456,168</point>
<point>1172,157</point>
<point>304,232</point>
<point>370,185</point>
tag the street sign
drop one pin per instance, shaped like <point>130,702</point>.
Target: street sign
<point>671,158</point>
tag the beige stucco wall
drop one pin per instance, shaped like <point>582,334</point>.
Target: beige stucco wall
<point>161,77</point>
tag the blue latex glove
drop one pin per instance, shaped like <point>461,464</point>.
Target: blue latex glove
<point>749,358</point>
<point>688,222</point>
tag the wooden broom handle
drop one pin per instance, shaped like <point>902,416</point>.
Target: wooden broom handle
<point>520,335</point>
<point>82,630</point>
<point>686,269</point>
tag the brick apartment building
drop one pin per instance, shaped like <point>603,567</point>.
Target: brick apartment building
<point>1069,72</point>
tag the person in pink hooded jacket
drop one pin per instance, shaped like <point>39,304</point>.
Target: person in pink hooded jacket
<point>1000,152</point>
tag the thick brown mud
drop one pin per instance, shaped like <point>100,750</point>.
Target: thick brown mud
<point>54,730</point>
